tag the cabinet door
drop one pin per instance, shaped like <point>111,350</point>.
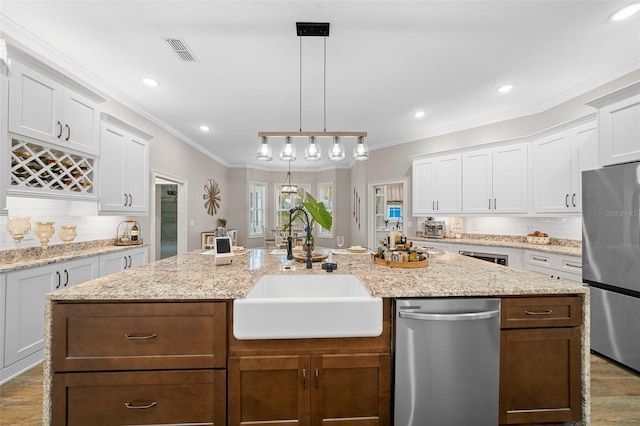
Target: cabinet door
<point>422,187</point>
<point>351,388</point>
<point>82,123</point>
<point>112,197</point>
<point>552,173</point>
<point>112,263</point>
<point>510,190</point>
<point>619,125</point>
<point>35,104</point>
<point>477,187</point>
<point>540,375</point>
<point>24,325</point>
<point>136,174</point>
<point>584,156</point>
<point>78,271</point>
<point>448,186</point>
<point>273,390</point>
<point>137,257</point>
<point>4,143</point>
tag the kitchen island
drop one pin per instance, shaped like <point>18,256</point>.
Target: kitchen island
<point>194,277</point>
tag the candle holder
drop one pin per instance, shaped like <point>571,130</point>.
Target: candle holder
<point>67,234</point>
<point>44,231</point>
<point>18,226</point>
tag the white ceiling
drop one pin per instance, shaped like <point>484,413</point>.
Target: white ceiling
<point>385,60</point>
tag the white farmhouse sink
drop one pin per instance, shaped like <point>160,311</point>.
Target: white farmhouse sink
<point>307,306</point>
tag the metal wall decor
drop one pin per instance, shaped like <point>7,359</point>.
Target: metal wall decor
<point>356,207</point>
<point>212,195</point>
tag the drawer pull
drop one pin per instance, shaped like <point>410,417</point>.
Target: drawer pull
<point>547,312</point>
<point>136,337</point>
<point>304,378</point>
<point>133,406</point>
<point>539,259</point>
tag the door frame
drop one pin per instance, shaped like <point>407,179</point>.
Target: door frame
<point>182,210</point>
<point>371,219</point>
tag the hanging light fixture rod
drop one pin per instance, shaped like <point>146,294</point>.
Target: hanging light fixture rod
<point>316,134</point>
<point>312,29</point>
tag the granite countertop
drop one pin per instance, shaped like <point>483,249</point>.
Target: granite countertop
<point>34,256</point>
<point>566,247</point>
<point>194,276</point>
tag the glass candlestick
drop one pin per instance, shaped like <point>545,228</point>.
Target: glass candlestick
<point>44,231</point>
<point>18,226</point>
<point>67,234</point>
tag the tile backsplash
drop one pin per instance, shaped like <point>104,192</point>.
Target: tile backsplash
<point>556,227</point>
<point>83,214</point>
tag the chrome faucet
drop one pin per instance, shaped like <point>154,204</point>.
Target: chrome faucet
<point>309,260</point>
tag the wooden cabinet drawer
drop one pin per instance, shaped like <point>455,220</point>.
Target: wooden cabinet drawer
<point>138,336</point>
<point>534,312</point>
<point>140,398</point>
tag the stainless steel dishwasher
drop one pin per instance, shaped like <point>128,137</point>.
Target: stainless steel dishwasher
<point>447,356</point>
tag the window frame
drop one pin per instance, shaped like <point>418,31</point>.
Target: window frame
<point>277,194</point>
<point>321,232</point>
<point>250,223</point>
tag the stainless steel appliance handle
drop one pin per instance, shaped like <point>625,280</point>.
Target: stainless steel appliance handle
<point>466,316</point>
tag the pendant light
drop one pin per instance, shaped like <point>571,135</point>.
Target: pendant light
<point>336,152</point>
<point>288,187</point>
<point>312,150</point>
<point>360,152</point>
<point>312,153</point>
<point>264,150</point>
<point>288,152</point>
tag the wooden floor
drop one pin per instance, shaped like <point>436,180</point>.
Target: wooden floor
<point>615,397</point>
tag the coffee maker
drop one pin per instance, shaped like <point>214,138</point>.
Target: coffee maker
<point>434,228</point>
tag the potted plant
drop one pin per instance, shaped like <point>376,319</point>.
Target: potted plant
<point>317,212</point>
<point>222,222</point>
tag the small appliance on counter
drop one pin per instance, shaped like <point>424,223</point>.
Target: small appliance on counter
<point>434,228</point>
<point>223,251</point>
<point>128,233</point>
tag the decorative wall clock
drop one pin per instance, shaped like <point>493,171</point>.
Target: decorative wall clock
<point>212,195</point>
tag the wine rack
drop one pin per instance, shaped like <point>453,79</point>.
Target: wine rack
<point>36,167</point>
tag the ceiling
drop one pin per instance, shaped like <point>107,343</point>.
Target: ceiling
<point>385,60</point>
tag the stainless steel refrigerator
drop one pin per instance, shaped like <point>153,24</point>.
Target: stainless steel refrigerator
<point>611,259</point>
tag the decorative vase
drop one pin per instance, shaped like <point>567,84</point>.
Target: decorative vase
<point>44,231</point>
<point>68,233</point>
<point>18,226</point>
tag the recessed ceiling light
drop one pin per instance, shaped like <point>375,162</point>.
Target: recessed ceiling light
<point>205,128</point>
<point>418,114</point>
<point>625,12</point>
<point>150,82</point>
<point>505,89</point>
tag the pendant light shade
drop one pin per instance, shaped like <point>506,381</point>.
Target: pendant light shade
<point>288,187</point>
<point>288,152</point>
<point>360,152</point>
<point>312,153</point>
<point>264,150</point>
<point>336,152</point>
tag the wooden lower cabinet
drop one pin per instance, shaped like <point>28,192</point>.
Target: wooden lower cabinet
<point>540,367</point>
<point>140,398</point>
<point>351,389</point>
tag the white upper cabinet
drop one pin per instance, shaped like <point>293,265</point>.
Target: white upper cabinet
<point>619,125</point>
<point>495,180</point>
<point>436,185</point>
<point>44,109</point>
<point>558,161</point>
<point>123,168</point>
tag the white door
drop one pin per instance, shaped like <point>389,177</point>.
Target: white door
<point>82,123</point>
<point>113,263</point>
<point>35,104</point>
<point>137,257</point>
<point>448,185</point>
<point>136,174</point>
<point>422,187</point>
<point>620,131</point>
<point>112,196</point>
<point>584,156</point>
<point>510,190</point>
<point>24,325</point>
<point>477,191</point>
<point>552,173</point>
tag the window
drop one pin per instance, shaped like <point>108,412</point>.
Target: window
<point>257,196</point>
<point>325,195</point>
<point>285,202</point>
<point>394,211</point>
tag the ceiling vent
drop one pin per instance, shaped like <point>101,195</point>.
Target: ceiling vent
<point>179,47</point>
